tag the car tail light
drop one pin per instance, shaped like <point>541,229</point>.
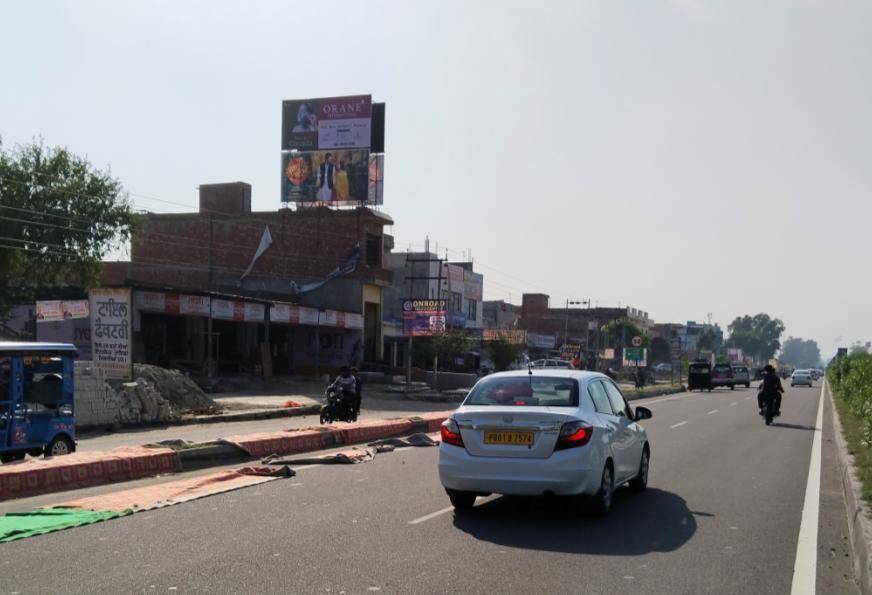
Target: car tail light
<point>574,433</point>
<point>451,432</point>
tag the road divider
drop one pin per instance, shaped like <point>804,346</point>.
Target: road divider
<point>78,470</point>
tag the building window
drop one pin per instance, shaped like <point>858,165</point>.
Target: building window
<point>456,302</point>
<point>373,250</point>
<point>471,309</point>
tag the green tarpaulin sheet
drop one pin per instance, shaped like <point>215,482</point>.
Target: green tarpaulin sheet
<point>18,525</point>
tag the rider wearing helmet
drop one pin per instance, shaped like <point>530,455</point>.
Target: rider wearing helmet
<point>770,388</point>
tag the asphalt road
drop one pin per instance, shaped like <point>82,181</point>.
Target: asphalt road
<point>722,515</point>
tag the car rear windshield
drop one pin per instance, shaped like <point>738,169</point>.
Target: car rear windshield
<point>545,391</point>
<point>722,368</point>
<point>741,370</point>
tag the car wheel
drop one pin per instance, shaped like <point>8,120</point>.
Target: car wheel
<point>732,387</point>
<point>640,482</point>
<point>59,446</point>
<point>9,457</point>
<point>603,498</point>
<point>461,500</point>
<point>747,385</point>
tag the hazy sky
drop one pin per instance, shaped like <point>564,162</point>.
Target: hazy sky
<point>684,157</point>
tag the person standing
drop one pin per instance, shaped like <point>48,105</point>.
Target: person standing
<point>341,183</point>
<point>326,179</point>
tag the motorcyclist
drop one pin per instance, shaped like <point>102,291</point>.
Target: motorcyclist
<point>358,390</point>
<point>345,385</point>
<point>770,388</point>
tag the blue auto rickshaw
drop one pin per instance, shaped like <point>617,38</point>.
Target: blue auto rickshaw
<point>37,414</point>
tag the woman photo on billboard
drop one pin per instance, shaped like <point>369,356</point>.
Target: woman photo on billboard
<point>307,121</point>
<point>340,184</point>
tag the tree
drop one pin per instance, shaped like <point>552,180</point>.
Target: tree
<point>502,353</point>
<point>758,336</point>
<point>446,346</point>
<point>620,333</point>
<point>660,350</point>
<point>59,216</point>
<point>800,353</point>
<point>709,340</point>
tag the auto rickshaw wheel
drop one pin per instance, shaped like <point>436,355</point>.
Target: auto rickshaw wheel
<point>8,457</point>
<point>59,446</point>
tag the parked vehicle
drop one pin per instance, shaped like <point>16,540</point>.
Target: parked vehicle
<point>699,375</point>
<point>551,363</point>
<point>802,378</point>
<point>663,368</point>
<point>815,374</point>
<point>722,375</point>
<point>544,432</point>
<point>338,406</point>
<point>741,376</point>
<point>37,415</point>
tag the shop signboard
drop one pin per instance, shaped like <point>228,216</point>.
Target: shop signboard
<point>308,316</point>
<point>472,285</point>
<point>150,301</point>
<point>514,336</point>
<point>338,177</point>
<point>253,312</point>
<point>111,331</point>
<point>328,318</point>
<point>194,305</point>
<point>222,309</point>
<point>327,123</point>
<point>353,320</point>
<point>537,341</point>
<point>280,313</point>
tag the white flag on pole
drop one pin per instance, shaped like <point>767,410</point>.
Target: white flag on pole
<point>265,243</point>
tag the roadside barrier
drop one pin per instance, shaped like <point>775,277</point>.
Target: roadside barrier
<point>78,470</point>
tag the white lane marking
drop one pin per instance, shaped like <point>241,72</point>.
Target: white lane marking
<point>805,566</point>
<point>679,424</point>
<point>712,411</point>
<point>432,515</point>
<point>733,404</point>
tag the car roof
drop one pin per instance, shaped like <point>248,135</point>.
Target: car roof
<point>550,372</point>
<point>36,347</point>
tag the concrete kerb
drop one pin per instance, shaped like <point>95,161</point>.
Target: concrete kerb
<point>859,524</point>
<point>251,446</point>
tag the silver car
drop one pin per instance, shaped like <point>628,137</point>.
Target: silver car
<point>544,432</point>
<point>741,376</point>
<point>801,377</point>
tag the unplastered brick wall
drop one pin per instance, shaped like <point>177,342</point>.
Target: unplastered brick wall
<point>96,403</point>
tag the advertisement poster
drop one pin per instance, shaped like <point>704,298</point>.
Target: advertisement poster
<point>54,310</point>
<point>196,305</point>
<point>76,331</point>
<point>423,318</point>
<point>110,331</point>
<point>376,191</point>
<point>327,123</point>
<point>330,177</point>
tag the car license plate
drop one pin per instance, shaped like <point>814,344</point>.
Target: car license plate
<point>521,438</point>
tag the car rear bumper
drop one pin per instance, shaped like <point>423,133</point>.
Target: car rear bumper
<point>565,472</point>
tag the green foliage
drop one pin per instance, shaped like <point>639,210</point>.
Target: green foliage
<point>851,379</point>
<point>620,333</point>
<point>445,346</point>
<point>502,353</point>
<point>709,340</point>
<point>59,216</point>
<point>758,336</point>
<point>800,353</point>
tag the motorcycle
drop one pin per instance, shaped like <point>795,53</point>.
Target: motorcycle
<point>769,411</point>
<point>338,406</point>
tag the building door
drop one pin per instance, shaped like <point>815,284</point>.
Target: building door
<point>371,327</point>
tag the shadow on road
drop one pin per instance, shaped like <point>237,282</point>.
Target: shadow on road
<point>653,521</point>
<point>792,426</point>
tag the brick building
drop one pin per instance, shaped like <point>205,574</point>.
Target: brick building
<point>572,325</point>
<point>203,259</point>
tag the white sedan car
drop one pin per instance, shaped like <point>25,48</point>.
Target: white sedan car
<point>544,432</point>
<point>802,377</point>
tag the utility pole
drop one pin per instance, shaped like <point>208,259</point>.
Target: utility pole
<point>411,284</point>
<point>566,321</point>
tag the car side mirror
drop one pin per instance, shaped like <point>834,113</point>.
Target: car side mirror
<point>643,413</point>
